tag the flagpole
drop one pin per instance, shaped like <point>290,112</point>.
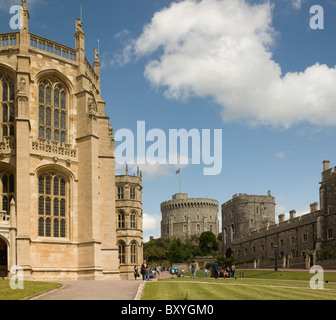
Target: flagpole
<point>180,180</point>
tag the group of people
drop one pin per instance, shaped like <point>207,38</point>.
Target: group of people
<point>145,271</point>
<point>227,273</point>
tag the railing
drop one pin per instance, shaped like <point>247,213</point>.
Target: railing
<point>53,147</point>
<point>52,47</point>
<point>7,145</point>
<point>4,216</point>
<point>9,40</point>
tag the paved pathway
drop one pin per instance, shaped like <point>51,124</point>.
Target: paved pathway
<point>97,290</point>
<point>94,290</point>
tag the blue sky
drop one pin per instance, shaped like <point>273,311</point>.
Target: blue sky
<point>254,69</point>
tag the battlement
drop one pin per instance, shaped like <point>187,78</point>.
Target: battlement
<point>328,173</point>
<point>243,197</point>
<point>180,201</point>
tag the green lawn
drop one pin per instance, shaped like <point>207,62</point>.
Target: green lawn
<point>30,288</point>
<point>256,285</point>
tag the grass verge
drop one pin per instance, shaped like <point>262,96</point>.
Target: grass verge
<point>30,288</point>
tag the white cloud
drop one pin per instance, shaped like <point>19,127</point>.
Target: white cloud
<point>152,171</point>
<point>297,4</point>
<point>222,49</point>
<point>151,222</point>
<point>281,154</point>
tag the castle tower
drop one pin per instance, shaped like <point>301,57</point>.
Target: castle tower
<point>183,217</point>
<point>246,213</point>
<point>128,189</point>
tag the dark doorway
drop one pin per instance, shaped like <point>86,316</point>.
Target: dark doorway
<point>3,256</point>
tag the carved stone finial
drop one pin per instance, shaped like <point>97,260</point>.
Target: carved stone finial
<point>79,25</point>
<point>96,53</point>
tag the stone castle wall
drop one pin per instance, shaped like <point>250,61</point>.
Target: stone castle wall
<point>292,240</point>
<point>183,217</point>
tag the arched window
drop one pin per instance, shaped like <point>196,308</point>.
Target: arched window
<point>122,250</point>
<point>52,112</point>
<point>133,252</point>
<point>133,220</point>
<point>198,228</point>
<point>52,208</point>
<point>232,232</point>
<point>7,190</point>
<point>225,235</point>
<point>121,220</point>
<point>7,114</point>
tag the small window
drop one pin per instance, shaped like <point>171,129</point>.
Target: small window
<point>330,233</point>
<point>305,237</point>
<point>132,193</point>
<point>120,193</point>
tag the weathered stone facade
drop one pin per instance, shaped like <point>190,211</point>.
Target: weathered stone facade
<point>183,217</point>
<point>57,165</point>
<point>129,222</point>
<point>297,237</point>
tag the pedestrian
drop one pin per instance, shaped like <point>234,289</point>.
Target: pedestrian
<point>143,271</point>
<point>136,273</point>
<point>206,272</point>
<point>182,272</point>
<point>147,271</point>
<point>193,270</point>
<point>233,269</point>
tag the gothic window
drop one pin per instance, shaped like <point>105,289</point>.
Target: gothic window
<point>232,232</point>
<point>122,250</point>
<point>52,200</point>
<point>133,252</point>
<point>132,193</point>
<point>52,112</point>
<point>121,220</point>
<point>185,228</point>
<point>7,190</point>
<point>198,228</point>
<point>7,113</point>
<point>120,193</point>
<point>133,220</point>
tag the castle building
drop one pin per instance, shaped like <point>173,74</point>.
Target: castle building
<point>183,217</point>
<point>57,166</point>
<point>128,190</point>
<point>250,232</point>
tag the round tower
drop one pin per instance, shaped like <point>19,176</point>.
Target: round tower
<point>183,217</point>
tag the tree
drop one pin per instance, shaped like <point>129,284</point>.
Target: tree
<point>177,251</point>
<point>208,242</point>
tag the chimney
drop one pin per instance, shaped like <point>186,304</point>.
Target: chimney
<point>281,217</point>
<point>314,207</point>
<point>269,193</point>
<point>326,164</point>
<point>292,214</point>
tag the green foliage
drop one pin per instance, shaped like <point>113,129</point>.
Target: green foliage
<point>327,253</point>
<point>208,243</point>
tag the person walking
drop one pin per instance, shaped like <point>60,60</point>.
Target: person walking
<point>193,270</point>
<point>136,273</point>
<point>147,271</point>
<point>206,272</point>
<point>143,271</point>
